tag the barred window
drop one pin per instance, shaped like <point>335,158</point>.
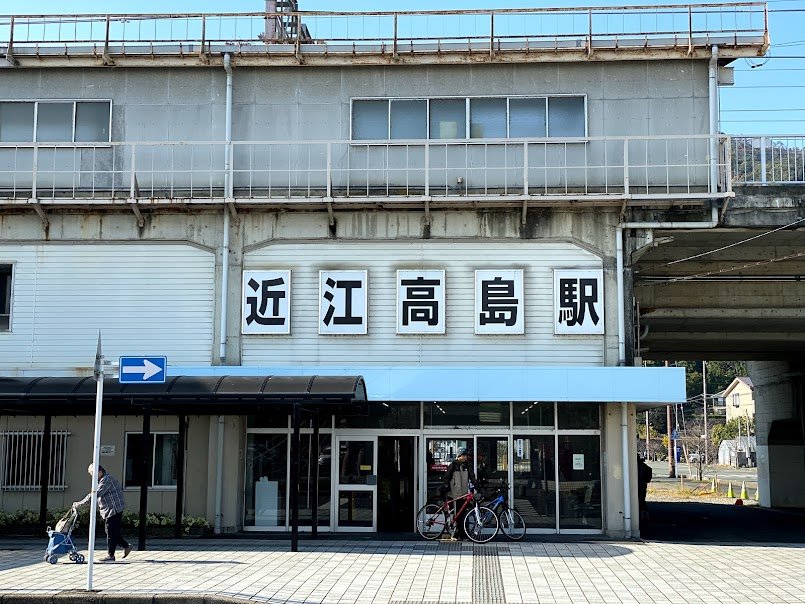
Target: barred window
<point>22,457</point>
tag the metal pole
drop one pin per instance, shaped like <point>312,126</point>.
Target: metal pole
<point>180,457</point>
<point>96,455</point>
<point>648,441</point>
<point>704,398</point>
<point>294,486</point>
<point>44,474</point>
<point>146,475</point>
<point>314,447</point>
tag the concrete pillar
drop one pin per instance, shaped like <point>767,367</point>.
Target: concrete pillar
<point>780,430</point>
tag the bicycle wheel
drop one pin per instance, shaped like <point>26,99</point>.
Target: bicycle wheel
<point>512,524</point>
<point>481,524</point>
<point>431,521</point>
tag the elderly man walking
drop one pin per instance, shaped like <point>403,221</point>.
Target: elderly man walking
<point>111,505</point>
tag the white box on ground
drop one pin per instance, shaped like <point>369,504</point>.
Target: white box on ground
<point>266,502</point>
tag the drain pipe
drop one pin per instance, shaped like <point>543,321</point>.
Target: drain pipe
<point>627,491</point>
<point>228,195</point>
<point>713,95</point>
<point>219,461</point>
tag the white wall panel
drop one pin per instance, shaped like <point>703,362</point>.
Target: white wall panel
<point>146,299</point>
<point>459,345</point>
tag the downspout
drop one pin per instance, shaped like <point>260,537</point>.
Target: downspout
<point>627,494</point>
<point>219,460</point>
<point>228,196</point>
<point>713,95</point>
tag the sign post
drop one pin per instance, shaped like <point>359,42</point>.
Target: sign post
<point>96,454</point>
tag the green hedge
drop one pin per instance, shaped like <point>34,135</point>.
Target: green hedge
<point>26,522</point>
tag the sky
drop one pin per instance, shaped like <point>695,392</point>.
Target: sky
<point>767,97</point>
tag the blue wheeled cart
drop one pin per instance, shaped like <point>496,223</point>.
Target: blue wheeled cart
<point>61,541</point>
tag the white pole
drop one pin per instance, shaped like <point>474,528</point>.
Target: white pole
<point>704,399</point>
<point>96,454</point>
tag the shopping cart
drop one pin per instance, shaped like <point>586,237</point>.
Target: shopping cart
<point>61,541</point>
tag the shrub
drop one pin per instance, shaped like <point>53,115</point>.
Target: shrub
<point>26,522</point>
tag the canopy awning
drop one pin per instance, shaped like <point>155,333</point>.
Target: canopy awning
<point>179,395</point>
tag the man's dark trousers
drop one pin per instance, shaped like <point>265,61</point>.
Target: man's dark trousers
<point>114,533</point>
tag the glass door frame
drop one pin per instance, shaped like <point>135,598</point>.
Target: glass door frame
<point>288,433</point>
<point>340,436</point>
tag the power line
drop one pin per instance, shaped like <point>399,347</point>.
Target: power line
<point>737,268</point>
<point>726,247</point>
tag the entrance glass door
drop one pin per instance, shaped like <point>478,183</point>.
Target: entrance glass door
<point>356,501</point>
<point>534,483</point>
<point>491,458</point>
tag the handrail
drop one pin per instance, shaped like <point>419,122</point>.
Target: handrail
<point>239,27</point>
<point>602,168</point>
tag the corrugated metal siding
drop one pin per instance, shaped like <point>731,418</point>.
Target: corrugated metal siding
<point>459,346</point>
<point>146,299</point>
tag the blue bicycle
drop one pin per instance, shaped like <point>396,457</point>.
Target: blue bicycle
<point>511,522</point>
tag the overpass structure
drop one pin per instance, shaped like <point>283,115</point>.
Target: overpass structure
<point>731,285</point>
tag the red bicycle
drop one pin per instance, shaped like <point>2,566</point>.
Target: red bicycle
<point>480,523</point>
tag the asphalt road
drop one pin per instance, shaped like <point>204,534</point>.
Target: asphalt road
<point>694,522</point>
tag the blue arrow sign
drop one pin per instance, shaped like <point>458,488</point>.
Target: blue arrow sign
<point>141,370</point>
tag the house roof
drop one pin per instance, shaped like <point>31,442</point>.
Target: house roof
<point>745,380</point>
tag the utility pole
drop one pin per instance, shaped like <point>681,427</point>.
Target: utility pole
<point>704,400</point>
<point>648,440</point>
<point>671,444</point>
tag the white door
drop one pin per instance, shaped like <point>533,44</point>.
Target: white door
<point>356,485</point>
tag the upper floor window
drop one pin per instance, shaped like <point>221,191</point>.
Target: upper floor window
<point>475,118</point>
<point>6,271</point>
<point>55,121</point>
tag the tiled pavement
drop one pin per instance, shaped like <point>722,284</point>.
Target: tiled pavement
<point>398,572</point>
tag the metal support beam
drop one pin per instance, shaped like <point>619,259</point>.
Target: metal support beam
<point>233,211</point>
<point>136,209</point>
<point>427,211</point>
<point>40,211</point>
<point>44,474</point>
<point>293,503</point>
<point>146,470</point>
<point>524,217</point>
<point>180,461</point>
<point>10,48</point>
<point>107,58</point>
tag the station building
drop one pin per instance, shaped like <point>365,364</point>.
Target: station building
<point>396,244</point>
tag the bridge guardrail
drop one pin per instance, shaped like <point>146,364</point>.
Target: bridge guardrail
<point>766,160</point>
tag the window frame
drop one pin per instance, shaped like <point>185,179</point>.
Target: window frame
<point>151,486</point>
<point>468,118</point>
<point>72,141</point>
<point>8,305</point>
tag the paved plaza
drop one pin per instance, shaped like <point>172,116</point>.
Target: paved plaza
<point>341,570</point>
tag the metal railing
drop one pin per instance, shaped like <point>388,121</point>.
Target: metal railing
<point>676,26</point>
<point>21,458</point>
<point>649,166</point>
<point>763,160</point>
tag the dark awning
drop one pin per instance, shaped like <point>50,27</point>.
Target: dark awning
<point>188,395</point>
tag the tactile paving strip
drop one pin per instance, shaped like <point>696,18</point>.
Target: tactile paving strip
<point>487,580</point>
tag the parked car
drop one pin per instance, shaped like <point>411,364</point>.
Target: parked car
<point>693,458</point>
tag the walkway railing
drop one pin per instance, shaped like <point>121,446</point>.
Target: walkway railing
<point>762,160</point>
<point>595,167</point>
<point>678,26</point>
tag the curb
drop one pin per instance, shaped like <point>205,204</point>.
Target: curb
<point>94,597</point>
